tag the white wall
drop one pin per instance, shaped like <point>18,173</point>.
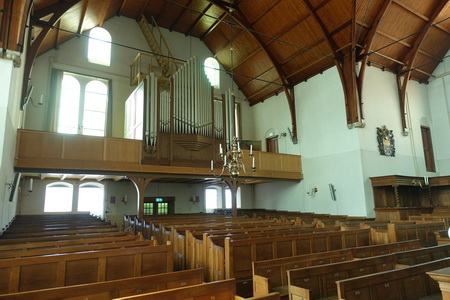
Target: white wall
<point>10,114</point>
<point>439,95</point>
<point>332,153</point>
<point>72,56</point>
<point>33,202</point>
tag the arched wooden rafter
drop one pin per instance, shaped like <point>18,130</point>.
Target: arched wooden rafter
<point>140,184</point>
<point>367,45</point>
<point>410,57</point>
<point>288,87</point>
<point>345,63</point>
<point>57,10</point>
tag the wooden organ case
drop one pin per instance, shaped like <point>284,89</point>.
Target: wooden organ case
<point>178,119</point>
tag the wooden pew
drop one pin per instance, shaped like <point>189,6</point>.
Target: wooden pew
<point>218,290</point>
<point>240,254</point>
<point>319,281</point>
<point>114,288</point>
<point>67,243</point>
<point>407,283</point>
<point>72,249</point>
<point>271,275</point>
<point>423,231</point>
<point>31,273</point>
<point>51,233</point>
<point>62,237</point>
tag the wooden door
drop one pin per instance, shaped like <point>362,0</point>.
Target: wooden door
<point>272,144</point>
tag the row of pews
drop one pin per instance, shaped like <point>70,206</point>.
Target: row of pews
<point>208,256</point>
<point>78,256</point>
<point>260,251</point>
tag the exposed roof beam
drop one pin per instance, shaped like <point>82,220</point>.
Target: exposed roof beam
<point>56,44</point>
<point>269,8</point>
<point>241,19</point>
<point>179,16</point>
<point>367,45</point>
<point>199,17</point>
<point>411,57</point>
<point>144,7</point>
<point>407,45</point>
<point>163,10</point>
<point>259,91</point>
<point>104,13</point>
<point>58,10</point>
<point>274,39</point>
<point>423,17</point>
<point>124,3</point>
<point>345,64</point>
<point>83,15</point>
<point>214,26</point>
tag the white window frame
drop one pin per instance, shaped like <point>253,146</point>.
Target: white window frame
<point>99,46</point>
<point>212,70</point>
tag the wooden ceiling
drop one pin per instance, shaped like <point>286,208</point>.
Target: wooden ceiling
<point>272,44</point>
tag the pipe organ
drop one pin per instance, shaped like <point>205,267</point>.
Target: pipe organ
<point>182,122</point>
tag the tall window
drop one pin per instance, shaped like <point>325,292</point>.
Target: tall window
<point>83,105</point>
<point>212,198</point>
<point>219,197</point>
<point>428,149</point>
<point>99,48</point>
<point>58,197</point>
<point>228,198</point>
<point>91,198</point>
<point>212,70</point>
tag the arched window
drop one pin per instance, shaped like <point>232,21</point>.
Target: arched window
<point>83,105</point>
<point>95,104</point>
<point>228,198</point>
<point>212,70</point>
<point>219,197</point>
<point>91,198</point>
<point>213,198</point>
<point>69,105</point>
<point>58,197</point>
<point>99,47</point>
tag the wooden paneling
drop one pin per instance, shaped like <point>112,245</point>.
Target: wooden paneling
<point>44,150</point>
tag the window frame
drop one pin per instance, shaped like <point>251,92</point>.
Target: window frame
<point>102,41</point>
<point>84,80</point>
<point>212,65</point>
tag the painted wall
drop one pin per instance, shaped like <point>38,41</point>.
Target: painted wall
<point>439,95</point>
<point>33,202</point>
<point>347,158</point>
<point>72,56</point>
<point>10,116</point>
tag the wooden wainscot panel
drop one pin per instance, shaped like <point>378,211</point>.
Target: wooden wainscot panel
<point>123,150</point>
<point>83,147</point>
<point>270,161</point>
<point>38,144</point>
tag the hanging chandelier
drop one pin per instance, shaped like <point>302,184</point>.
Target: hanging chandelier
<point>232,163</point>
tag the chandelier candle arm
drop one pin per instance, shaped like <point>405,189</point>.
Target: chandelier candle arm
<point>231,160</point>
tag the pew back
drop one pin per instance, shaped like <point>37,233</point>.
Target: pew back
<point>25,274</point>
<point>114,288</point>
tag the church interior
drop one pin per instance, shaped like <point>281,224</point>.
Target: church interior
<point>224,149</point>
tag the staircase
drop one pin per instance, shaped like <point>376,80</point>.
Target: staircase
<point>159,48</point>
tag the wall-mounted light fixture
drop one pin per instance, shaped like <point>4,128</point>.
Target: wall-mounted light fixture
<point>312,192</point>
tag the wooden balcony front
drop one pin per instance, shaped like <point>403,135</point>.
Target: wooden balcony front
<point>38,151</point>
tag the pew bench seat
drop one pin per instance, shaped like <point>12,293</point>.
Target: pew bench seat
<point>410,283</point>
<point>114,288</point>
